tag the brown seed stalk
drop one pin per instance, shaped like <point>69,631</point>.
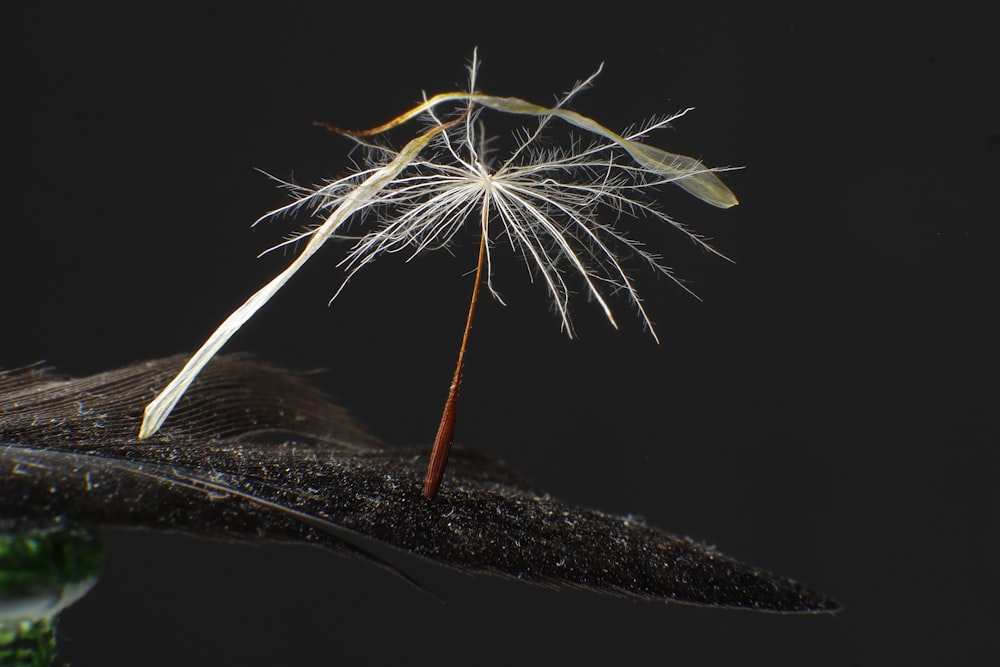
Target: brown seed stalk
<point>446,429</point>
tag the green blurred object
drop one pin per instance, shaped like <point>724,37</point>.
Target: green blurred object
<point>45,566</point>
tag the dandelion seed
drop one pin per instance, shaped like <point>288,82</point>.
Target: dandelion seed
<point>550,205</point>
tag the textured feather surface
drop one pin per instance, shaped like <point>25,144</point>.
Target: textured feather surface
<point>254,453</point>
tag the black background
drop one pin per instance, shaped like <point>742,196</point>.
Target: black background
<point>827,412</point>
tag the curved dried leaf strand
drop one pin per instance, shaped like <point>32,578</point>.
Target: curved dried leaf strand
<point>160,407</point>
<point>685,172</point>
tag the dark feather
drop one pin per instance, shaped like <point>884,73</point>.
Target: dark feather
<point>254,453</point>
